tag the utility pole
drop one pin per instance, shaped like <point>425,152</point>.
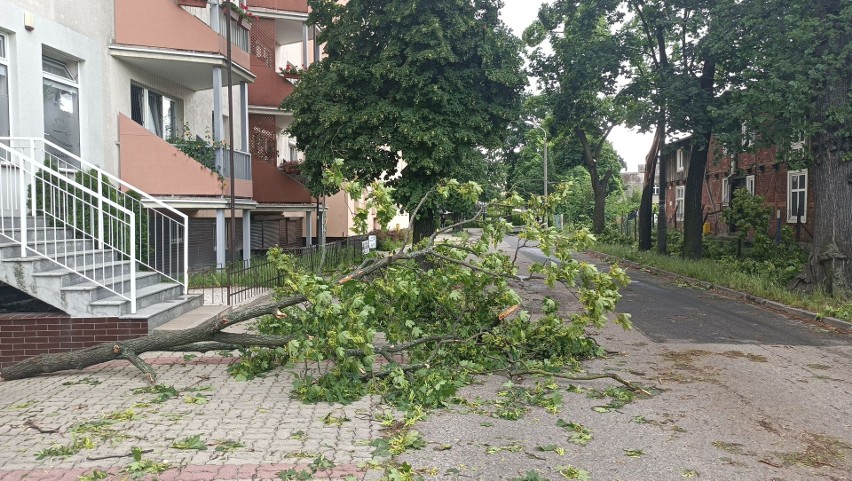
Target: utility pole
<point>531,124</point>
<point>232,202</point>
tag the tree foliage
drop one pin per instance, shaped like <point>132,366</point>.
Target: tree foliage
<point>580,81</point>
<point>443,321</point>
<point>420,86</point>
<point>446,310</point>
<point>789,69</point>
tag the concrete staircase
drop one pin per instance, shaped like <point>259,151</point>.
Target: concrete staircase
<point>77,293</point>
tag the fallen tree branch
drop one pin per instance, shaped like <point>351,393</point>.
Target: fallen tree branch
<point>31,424</point>
<point>113,456</point>
<point>142,366</point>
<point>588,377</point>
<point>195,339</point>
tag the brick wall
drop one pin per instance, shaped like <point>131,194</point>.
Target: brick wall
<point>770,182</point>
<point>24,335</point>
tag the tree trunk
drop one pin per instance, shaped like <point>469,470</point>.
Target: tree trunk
<point>693,214</point>
<point>830,262</point>
<point>646,211</point>
<point>206,332</point>
<point>693,211</point>
<point>425,224</point>
<point>662,224</point>
<point>599,216</point>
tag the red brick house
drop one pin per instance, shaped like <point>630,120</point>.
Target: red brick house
<point>787,192</point>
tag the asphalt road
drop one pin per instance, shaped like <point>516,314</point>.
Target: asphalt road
<point>666,312</point>
<point>740,393</point>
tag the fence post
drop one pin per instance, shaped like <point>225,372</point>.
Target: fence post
<point>22,207</point>
<point>132,265</point>
<point>32,178</point>
<point>99,180</point>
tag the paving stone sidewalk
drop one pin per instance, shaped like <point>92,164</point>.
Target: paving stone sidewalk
<point>276,432</point>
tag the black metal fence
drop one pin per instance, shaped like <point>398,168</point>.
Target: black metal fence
<point>261,276</point>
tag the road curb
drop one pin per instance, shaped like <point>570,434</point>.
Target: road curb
<point>794,311</point>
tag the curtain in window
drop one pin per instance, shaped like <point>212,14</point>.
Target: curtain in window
<point>155,109</point>
<point>137,104</point>
<point>170,127</point>
<point>62,116</point>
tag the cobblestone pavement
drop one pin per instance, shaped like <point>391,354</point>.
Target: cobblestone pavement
<point>276,432</point>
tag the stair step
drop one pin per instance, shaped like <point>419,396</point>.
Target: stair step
<point>13,249</point>
<point>98,271</point>
<point>119,283</point>
<point>41,234</point>
<point>145,297</point>
<point>15,222</point>
<point>77,261</point>
<point>163,312</point>
<point>193,318</point>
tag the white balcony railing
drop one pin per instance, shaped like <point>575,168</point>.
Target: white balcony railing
<point>242,164</point>
<point>239,34</point>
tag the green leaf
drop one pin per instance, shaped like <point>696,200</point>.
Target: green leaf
<point>191,442</point>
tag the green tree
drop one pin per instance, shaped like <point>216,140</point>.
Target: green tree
<point>677,73</point>
<point>789,65</point>
<point>580,81</point>
<point>420,84</point>
<point>747,213</point>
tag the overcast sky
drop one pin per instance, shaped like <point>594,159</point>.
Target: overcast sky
<point>632,146</point>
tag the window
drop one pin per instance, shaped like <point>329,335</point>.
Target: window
<point>155,111</point>
<point>750,184</point>
<point>4,89</point>
<point>679,195</point>
<point>680,160</point>
<point>61,103</point>
<point>799,143</point>
<point>747,136</point>
<point>797,195</point>
<point>726,191</point>
<point>656,189</point>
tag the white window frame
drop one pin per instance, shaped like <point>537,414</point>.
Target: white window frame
<point>680,160</point>
<point>747,135</point>
<point>72,83</point>
<point>726,191</point>
<point>750,184</point>
<point>680,194</point>
<point>791,216</point>
<point>5,64</point>
<point>146,120</point>
<point>799,143</point>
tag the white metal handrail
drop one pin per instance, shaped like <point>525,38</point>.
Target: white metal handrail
<point>61,212</point>
<point>162,232</point>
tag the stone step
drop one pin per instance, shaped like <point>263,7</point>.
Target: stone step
<point>90,291</point>
<point>47,247</point>
<point>163,312</point>
<point>76,261</point>
<point>115,305</point>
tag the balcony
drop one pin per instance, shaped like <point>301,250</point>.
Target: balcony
<point>178,43</point>
<point>160,169</point>
<point>242,164</point>
<point>298,6</point>
<point>271,149</point>
<point>277,43</point>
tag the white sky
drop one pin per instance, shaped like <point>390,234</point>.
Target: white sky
<point>632,146</point>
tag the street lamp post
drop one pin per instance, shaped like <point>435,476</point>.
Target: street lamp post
<point>545,164</point>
